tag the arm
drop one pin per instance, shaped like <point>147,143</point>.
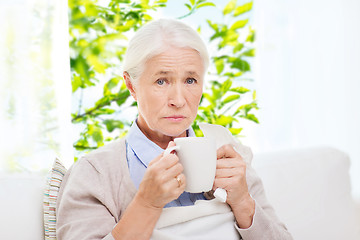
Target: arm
<point>157,188</point>
<point>138,221</point>
<point>88,210</point>
<point>255,218</point>
<point>83,211</point>
<point>265,221</point>
<point>231,176</point>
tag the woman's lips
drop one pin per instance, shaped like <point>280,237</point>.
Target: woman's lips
<point>175,118</point>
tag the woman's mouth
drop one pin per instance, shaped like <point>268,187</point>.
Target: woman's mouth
<point>175,118</point>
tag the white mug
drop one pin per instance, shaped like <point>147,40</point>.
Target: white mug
<point>198,157</point>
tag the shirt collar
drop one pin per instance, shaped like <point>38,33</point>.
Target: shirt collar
<point>144,148</point>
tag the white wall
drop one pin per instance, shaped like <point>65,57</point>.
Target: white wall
<point>308,77</point>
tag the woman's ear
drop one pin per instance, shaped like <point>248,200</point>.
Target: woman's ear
<point>129,85</point>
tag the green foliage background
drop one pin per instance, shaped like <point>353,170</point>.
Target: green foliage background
<point>99,32</point>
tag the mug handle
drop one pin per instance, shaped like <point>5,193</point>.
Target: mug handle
<point>170,149</point>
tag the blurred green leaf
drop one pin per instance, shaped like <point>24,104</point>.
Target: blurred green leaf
<point>112,124</point>
<point>251,36</point>
<point>246,108</point>
<point>240,90</point>
<point>224,120</point>
<point>122,97</point>
<point>103,111</point>
<point>145,3</point>
<point>235,131</point>
<point>231,98</point>
<point>188,6</point>
<point>243,9</point>
<point>239,24</point>
<point>249,53</point>
<point>206,4</point>
<point>81,67</point>
<point>76,83</point>
<point>226,86</point>
<point>113,82</point>
<point>209,98</point>
<point>241,65</point>
<point>251,117</point>
<point>229,39</point>
<point>96,63</point>
<point>214,26</point>
<point>229,7</point>
<point>219,64</point>
<point>96,134</point>
<point>238,47</point>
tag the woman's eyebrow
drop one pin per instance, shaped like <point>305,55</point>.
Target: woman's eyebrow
<point>162,73</point>
<point>192,73</point>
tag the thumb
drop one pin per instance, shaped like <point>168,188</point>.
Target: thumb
<point>171,144</point>
<point>168,150</point>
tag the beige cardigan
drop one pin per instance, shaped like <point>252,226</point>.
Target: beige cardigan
<point>97,189</point>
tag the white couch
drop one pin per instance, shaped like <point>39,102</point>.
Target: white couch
<point>310,191</point>
<point>309,188</point>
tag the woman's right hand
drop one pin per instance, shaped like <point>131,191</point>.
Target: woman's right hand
<point>160,183</point>
<point>158,187</point>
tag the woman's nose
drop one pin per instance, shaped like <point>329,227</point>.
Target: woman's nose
<point>176,96</point>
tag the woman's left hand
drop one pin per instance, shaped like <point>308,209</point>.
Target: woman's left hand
<point>231,176</point>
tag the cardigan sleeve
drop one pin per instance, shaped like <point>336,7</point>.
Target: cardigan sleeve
<point>82,211</point>
<point>266,224</point>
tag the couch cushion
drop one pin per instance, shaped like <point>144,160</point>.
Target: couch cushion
<point>54,180</point>
<point>21,206</point>
<point>310,191</point>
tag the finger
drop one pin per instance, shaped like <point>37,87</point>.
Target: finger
<point>171,144</point>
<point>180,180</point>
<point>165,162</point>
<point>175,186</point>
<point>183,180</point>
<point>227,173</point>
<point>170,161</point>
<point>223,183</point>
<point>226,151</point>
<point>229,163</point>
<point>173,172</point>
<point>181,184</point>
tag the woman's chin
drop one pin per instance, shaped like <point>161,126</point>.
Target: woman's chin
<point>176,131</point>
<point>176,134</point>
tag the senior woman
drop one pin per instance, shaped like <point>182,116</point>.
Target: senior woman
<point>121,190</point>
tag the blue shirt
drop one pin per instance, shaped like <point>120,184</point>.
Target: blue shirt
<point>140,151</point>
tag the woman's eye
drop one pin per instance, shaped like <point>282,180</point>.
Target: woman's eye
<point>160,81</point>
<point>190,81</point>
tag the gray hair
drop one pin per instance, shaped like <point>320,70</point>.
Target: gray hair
<point>153,39</point>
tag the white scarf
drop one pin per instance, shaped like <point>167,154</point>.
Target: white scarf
<point>206,219</point>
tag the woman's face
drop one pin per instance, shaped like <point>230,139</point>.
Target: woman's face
<point>168,92</point>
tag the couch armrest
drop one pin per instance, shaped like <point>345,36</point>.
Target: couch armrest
<point>21,206</point>
<point>311,192</point>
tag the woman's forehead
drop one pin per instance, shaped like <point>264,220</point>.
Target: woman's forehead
<point>165,63</point>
